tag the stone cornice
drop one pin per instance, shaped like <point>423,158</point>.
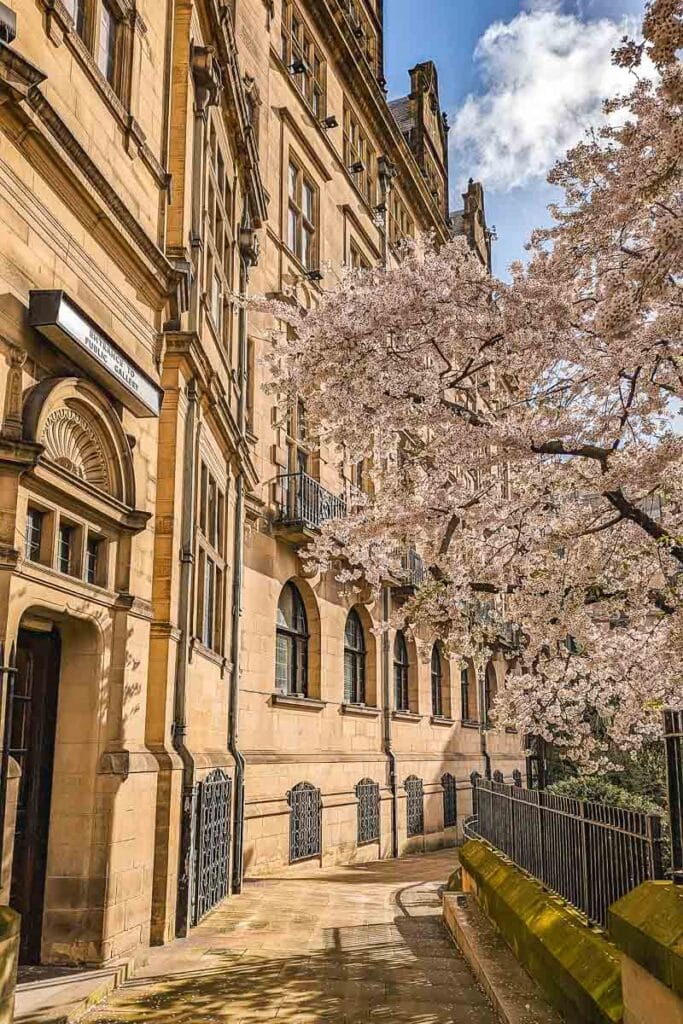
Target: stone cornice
<point>34,125</point>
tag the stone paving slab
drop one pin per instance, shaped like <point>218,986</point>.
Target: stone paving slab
<point>352,945</point>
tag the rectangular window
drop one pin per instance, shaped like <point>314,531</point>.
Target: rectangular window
<point>106,57</point>
<point>360,158</point>
<point>76,8</point>
<point>34,534</point>
<point>357,260</point>
<point>401,225</point>
<point>210,572</point>
<point>302,217</point>
<point>299,49</point>
<point>93,565</point>
<point>65,549</point>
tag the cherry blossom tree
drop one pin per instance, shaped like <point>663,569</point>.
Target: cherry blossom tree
<point>523,436</point>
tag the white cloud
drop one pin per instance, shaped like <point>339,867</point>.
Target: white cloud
<point>545,76</point>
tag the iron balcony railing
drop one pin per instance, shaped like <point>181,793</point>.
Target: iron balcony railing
<point>487,616</point>
<point>411,572</point>
<point>304,501</point>
<point>588,853</point>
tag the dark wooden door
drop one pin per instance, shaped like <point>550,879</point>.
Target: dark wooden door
<point>32,745</point>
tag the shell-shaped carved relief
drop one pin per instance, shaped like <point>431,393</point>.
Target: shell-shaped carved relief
<point>71,441</point>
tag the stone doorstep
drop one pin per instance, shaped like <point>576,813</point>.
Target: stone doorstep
<point>515,996</point>
<point>66,995</point>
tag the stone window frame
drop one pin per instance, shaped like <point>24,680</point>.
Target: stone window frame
<point>298,44</point>
<point>85,44</point>
<point>218,233</point>
<point>358,148</point>
<point>355,659</point>
<point>363,31</point>
<point>401,224</point>
<point>54,520</point>
<point>211,546</point>
<point>296,639</point>
<point>307,220</point>
<point>469,714</point>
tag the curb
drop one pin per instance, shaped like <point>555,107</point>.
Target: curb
<point>515,997</point>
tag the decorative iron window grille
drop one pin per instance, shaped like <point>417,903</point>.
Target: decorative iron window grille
<point>354,660</point>
<point>401,673</point>
<point>212,844</point>
<point>415,795</point>
<point>450,800</point>
<point>367,794</point>
<point>305,827</point>
<point>437,683</point>
<point>291,651</point>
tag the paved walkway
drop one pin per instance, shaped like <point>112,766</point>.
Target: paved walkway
<point>352,945</point>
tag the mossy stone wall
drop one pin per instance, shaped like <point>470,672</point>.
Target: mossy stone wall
<point>576,966</point>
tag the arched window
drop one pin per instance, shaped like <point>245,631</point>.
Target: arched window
<point>467,704</point>
<point>490,688</point>
<point>291,655</point>
<point>401,672</point>
<point>354,660</point>
<point>437,683</point>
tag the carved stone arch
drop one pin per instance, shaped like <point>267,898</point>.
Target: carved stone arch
<point>80,433</point>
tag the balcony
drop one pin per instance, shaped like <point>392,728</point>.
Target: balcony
<point>501,630</point>
<point>411,573</point>
<point>304,505</point>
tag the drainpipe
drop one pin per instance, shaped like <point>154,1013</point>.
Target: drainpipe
<point>180,692</point>
<point>386,700</point>
<point>248,256</point>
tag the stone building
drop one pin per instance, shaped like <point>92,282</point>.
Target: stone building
<point>188,705</point>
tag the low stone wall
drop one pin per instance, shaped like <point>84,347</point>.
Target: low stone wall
<point>576,966</point>
<point>647,925</point>
<point>9,953</point>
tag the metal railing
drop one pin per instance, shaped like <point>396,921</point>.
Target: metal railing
<point>412,569</point>
<point>589,853</point>
<point>673,744</point>
<point>305,501</point>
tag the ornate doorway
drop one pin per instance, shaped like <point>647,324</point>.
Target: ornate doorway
<point>32,743</point>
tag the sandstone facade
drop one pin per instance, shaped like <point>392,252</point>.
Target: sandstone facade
<point>157,162</point>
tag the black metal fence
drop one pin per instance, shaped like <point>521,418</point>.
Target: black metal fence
<point>589,853</point>
<point>673,741</point>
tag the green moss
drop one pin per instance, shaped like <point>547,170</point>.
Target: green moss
<point>577,967</point>
<point>454,883</point>
<point>647,924</point>
<point>10,923</point>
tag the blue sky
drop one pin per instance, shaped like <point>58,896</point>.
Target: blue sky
<point>520,80</point>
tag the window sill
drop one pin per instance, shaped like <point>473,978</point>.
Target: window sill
<point>406,716</point>
<point>290,700</point>
<point>468,723</point>
<point>197,647</point>
<point>441,720</point>
<point>360,709</point>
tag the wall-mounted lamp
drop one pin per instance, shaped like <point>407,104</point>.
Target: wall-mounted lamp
<point>329,122</point>
<point>357,168</point>
<point>314,275</point>
<point>382,208</point>
<point>298,67</point>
